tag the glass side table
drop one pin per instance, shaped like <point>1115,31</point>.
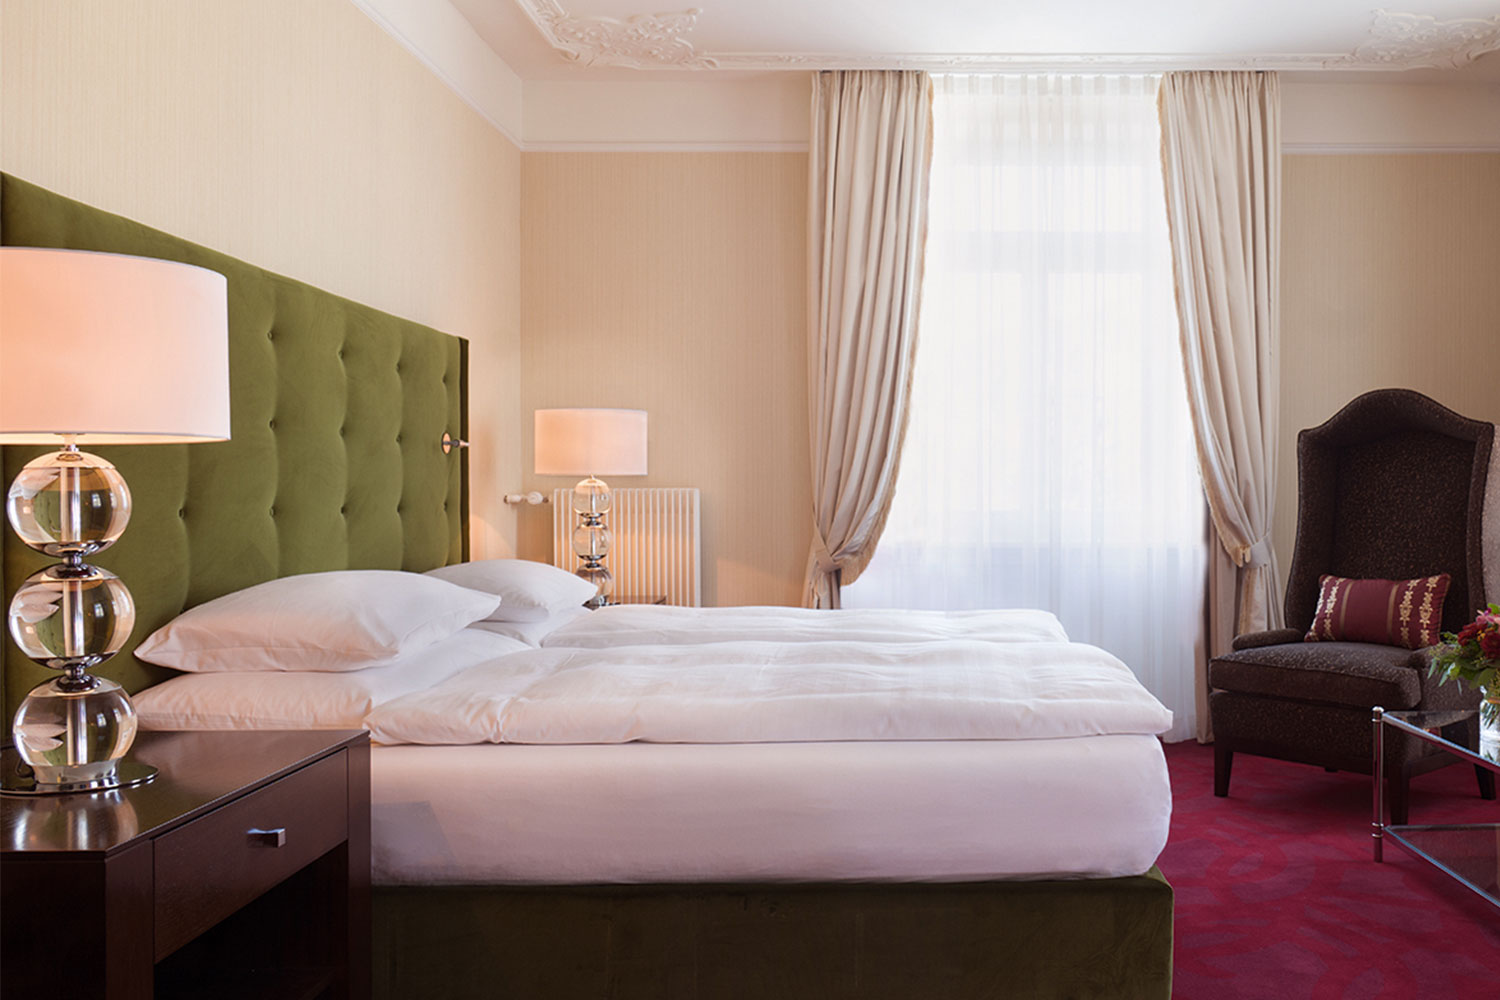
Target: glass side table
<point>1469,853</point>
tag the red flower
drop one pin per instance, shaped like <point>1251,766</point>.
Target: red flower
<point>1489,644</point>
<point>1469,632</point>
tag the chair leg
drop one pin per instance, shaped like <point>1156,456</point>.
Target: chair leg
<point>1396,794</point>
<point>1486,782</point>
<point>1223,762</point>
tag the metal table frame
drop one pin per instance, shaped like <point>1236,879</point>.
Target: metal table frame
<point>1396,834</point>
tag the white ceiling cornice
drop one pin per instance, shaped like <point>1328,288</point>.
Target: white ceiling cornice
<point>1024,62</point>
<point>604,108</point>
<point>443,41</point>
<point>1396,41</point>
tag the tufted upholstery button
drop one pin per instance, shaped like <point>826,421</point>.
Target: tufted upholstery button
<point>273,511</point>
<point>398,368</point>
<point>182,512</point>
<point>341,353</point>
<point>398,438</point>
<point>272,424</point>
<point>344,509</point>
<point>343,431</point>
<point>270,334</point>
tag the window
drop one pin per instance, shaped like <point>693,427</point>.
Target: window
<point>1049,459</point>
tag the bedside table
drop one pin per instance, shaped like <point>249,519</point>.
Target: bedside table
<point>243,870</point>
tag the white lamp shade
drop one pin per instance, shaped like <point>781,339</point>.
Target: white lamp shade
<point>591,442</point>
<point>113,349</point>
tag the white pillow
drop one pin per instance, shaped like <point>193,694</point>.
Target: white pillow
<point>310,699</point>
<point>529,591</point>
<point>344,620</point>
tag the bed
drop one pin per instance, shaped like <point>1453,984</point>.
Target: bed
<point>719,894</point>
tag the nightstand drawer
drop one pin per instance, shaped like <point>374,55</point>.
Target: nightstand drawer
<point>209,868</point>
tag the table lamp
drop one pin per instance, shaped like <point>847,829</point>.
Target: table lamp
<point>591,443</point>
<point>95,348</point>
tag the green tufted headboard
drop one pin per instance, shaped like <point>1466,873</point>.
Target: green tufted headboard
<point>335,462</point>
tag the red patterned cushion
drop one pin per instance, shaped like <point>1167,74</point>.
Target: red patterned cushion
<point>1391,612</point>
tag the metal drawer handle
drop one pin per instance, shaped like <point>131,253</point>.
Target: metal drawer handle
<point>268,838</point>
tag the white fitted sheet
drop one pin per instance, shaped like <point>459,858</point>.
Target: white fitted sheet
<point>1084,807</point>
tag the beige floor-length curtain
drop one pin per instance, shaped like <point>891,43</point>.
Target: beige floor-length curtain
<point>1221,160</point>
<point>869,162</point>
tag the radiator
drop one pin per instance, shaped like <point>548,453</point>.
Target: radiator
<point>656,551</point>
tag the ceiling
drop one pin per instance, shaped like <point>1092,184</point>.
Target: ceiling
<point>599,40</point>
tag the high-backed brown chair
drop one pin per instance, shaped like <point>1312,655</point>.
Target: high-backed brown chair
<point>1390,487</point>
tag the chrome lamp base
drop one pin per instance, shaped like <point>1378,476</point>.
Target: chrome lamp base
<point>18,778</point>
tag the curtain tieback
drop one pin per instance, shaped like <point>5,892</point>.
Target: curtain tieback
<point>1259,554</point>
<point>822,558</point>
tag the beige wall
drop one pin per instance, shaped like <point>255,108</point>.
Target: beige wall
<point>296,135</point>
<point>1390,277</point>
<point>675,283</point>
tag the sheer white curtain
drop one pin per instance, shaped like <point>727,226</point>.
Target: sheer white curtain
<point>1049,460</point>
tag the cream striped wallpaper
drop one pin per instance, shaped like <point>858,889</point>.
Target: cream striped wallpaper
<point>1390,277</point>
<point>675,283</point>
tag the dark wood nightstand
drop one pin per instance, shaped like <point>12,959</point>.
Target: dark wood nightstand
<point>243,870</point>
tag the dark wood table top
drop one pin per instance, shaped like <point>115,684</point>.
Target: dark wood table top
<point>198,771</point>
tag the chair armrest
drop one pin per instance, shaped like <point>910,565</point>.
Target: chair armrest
<point>1421,659</point>
<point>1271,637</point>
<point>1440,694</point>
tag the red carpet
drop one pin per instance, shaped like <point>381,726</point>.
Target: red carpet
<point>1278,896</point>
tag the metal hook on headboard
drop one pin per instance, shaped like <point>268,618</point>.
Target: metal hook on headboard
<point>450,442</point>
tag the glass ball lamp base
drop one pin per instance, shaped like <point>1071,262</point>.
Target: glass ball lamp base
<point>600,577</point>
<point>592,539</point>
<point>71,733</point>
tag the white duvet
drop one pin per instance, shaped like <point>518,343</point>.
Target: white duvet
<point>767,692</point>
<point>662,625</point>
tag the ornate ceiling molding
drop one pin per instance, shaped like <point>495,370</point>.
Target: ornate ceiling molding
<point>1396,41</point>
<point>1420,41</point>
<point>641,41</point>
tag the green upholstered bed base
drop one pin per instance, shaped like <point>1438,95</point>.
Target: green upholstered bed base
<point>337,414</point>
<point>1100,939</point>
<point>335,462</point>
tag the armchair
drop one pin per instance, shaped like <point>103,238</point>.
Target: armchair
<point>1390,487</point>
